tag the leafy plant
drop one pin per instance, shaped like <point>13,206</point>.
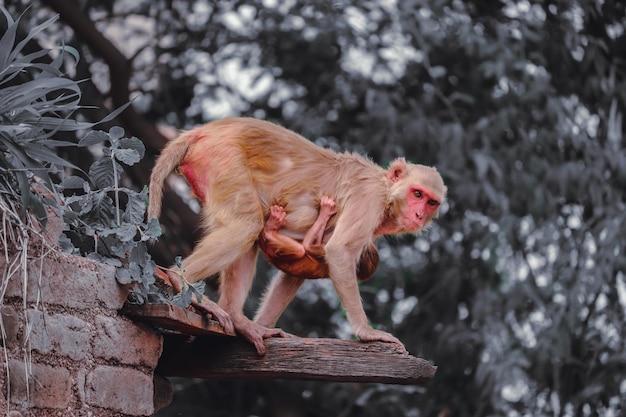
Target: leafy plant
<point>33,96</point>
<point>37,103</point>
<point>104,221</point>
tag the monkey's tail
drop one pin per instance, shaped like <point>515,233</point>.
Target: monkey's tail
<point>170,159</point>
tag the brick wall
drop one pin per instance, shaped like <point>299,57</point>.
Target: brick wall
<point>67,351</point>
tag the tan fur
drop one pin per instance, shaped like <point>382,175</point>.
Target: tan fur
<point>170,158</point>
<point>239,167</point>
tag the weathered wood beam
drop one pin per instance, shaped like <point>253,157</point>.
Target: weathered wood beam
<point>213,353</point>
<point>171,317</point>
<point>292,358</point>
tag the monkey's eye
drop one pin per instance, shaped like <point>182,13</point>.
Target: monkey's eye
<point>433,203</point>
<point>417,193</point>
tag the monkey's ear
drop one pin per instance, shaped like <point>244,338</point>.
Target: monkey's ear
<point>396,170</point>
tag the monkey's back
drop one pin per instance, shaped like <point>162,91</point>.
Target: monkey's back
<point>284,167</point>
<point>269,149</point>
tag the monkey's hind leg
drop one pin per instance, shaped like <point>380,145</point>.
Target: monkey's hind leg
<point>235,283</point>
<point>205,304</point>
<point>219,249</point>
<point>277,297</point>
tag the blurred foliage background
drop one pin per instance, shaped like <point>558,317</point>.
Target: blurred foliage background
<point>518,292</point>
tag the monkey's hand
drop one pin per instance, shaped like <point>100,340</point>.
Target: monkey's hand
<point>210,307</point>
<point>372,335</point>
<point>256,334</point>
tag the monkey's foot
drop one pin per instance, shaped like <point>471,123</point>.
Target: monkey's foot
<point>276,219</point>
<point>256,334</point>
<point>211,307</point>
<point>373,335</point>
<point>162,277</point>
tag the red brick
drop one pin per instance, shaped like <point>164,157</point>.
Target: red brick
<point>70,281</point>
<point>126,342</point>
<point>46,386</point>
<point>125,390</point>
<point>63,334</point>
<point>11,320</point>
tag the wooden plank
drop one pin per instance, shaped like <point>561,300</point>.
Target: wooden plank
<point>171,317</point>
<point>293,358</point>
<point>209,356</point>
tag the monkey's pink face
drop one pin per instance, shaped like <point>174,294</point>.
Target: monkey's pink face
<point>422,207</point>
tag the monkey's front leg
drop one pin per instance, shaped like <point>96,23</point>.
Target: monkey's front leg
<point>235,283</point>
<point>343,275</point>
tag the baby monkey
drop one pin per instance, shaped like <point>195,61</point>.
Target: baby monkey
<point>306,260</point>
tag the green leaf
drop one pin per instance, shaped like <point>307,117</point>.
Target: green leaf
<point>22,159</point>
<point>67,49</point>
<point>133,143</point>
<point>197,289</point>
<point>46,155</point>
<point>102,173</point>
<point>126,232</point>
<point>12,130</point>
<point>104,259</point>
<point>153,230</point>
<point>93,138</point>
<point>118,248</point>
<point>127,156</point>
<point>148,270</point>
<point>139,254</point>
<point>66,244</point>
<point>72,182</point>
<point>113,114</point>
<point>8,39</point>
<point>116,133</point>
<point>135,207</point>
<point>31,34</point>
<point>33,95</point>
<point>38,209</point>
<point>70,216</point>
<point>123,276</point>
<point>183,299</point>
<point>135,271</point>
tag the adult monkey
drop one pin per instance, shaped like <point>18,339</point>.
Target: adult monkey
<point>239,167</point>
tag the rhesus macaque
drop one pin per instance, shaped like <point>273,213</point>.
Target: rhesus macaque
<point>239,167</point>
<point>306,259</point>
